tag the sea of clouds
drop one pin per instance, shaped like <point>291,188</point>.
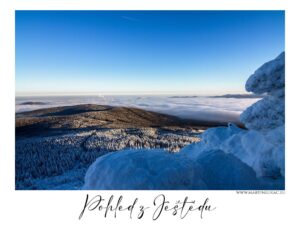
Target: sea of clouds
<point>192,107</point>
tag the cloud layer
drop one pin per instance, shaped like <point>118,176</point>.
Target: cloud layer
<point>200,108</point>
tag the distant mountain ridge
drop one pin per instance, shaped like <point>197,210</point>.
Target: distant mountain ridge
<point>33,103</point>
<point>238,96</point>
<point>221,96</point>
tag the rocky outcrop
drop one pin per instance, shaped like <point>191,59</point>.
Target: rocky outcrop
<point>261,146</point>
<point>267,113</point>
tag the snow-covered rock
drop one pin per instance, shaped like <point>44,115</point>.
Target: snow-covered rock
<point>264,152</point>
<point>262,146</point>
<point>269,78</point>
<point>212,138</point>
<point>267,113</point>
<point>160,170</point>
<point>266,116</point>
<point>143,170</point>
<point>223,171</point>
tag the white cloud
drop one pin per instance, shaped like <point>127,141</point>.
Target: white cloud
<point>201,108</point>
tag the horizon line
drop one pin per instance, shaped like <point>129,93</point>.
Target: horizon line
<point>100,94</point>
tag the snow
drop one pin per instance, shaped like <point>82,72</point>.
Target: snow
<point>160,170</point>
<point>265,114</point>
<point>269,78</point>
<point>142,170</point>
<point>59,162</point>
<point>69,180</point>
<point>117,139</point>
<point>214,138</point>
<point>225,158</point>
<point>264,152</point>
<point>219,172</point>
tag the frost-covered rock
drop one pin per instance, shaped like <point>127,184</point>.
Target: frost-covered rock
<point>267,113</point>
<point>212,138</point>
<point>142,170</point>
<point>160,170</point>
<point>266,116</point>
<point>264,152</point>
<point>223,171</point>
<point>269,78</point>
<point>259,151</point>
<point>262,146</point>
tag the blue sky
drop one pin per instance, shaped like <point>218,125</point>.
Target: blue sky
<point>152,52</point>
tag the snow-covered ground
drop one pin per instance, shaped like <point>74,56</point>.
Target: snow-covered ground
<point>225,158</point>
<point>194,107</point>
<point>60,161</point>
